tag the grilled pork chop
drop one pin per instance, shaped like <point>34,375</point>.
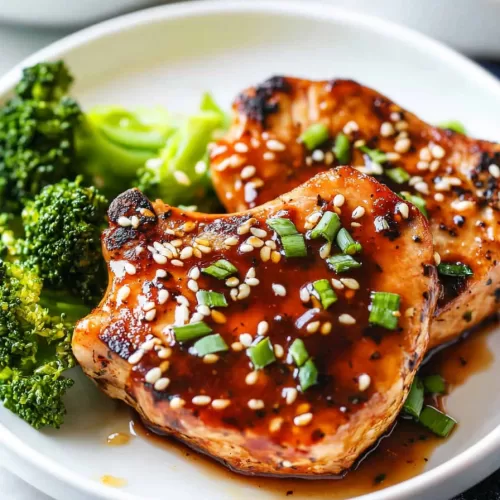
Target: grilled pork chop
<point>456,178</point>
<point>253,339</point>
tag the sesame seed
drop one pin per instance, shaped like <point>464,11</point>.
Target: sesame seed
<point>309,161</point>
<point>219,317</point>
<point>237,346</point>
<point>462,205</point>
<point>193,285</point>
<point>162,296</point>
<point>246,339</point>
<point>164,352</point>
<point>494,170</point>
<point>386,129</point>
<point>275,424</point>
<point>290,394</point>
<point>313,327</point>
<point>159,259</point>
<point>275,257</point>
<point>209,359</point>
<point>161,273</point>
<point>153,375</point>
<point>439,197</point>
<point>251,378</point>
<point>161,384</point>
<point>279,290</point>
<point>355,224</point>
<point>180,299</point>
<point>252,281</point>
<point>194,273</point>
<point>254,142</point>
<point>243,291</point>
<point>303,420</point>
<point>347,319</point>
<point>256,404</point>
<point>318,155</point>
<point>232,282</point>
<point>269,156</point>
<point>339,200</point>
<point>364,382</point>
<point>161,249</point>
<point>391,156</point>
<point>201,400</point>
<point>259,233</point>
<point>176,403</point>
<point>248,172</point>
<point>274,145</point>
<point>220,404</point>
<point>200,167</point>
<point>279,352</point>
<point>177,263</point>
<point>136,357</point>
<point>241,147</point>
<point>265,253</point>
<point>186,253</point>
<point>130,268</point>
<point>122,294</point>
<point>286,463</point>
<point>271,244</point>
<point>350,127</point>
<point>234,294</point>
<point>337,284</point>
<point>124,221</point>
<point>262,328</point>
<point>181,314</point>
<point>326,328</point>
<point>325,250</point>
<point>437,258</point>
<point>422,187</point>
<point>231,241</point>
<point>244,227</point>
<point>135,221</point>
<point>182,178</point>
<point>403,209</point>
<point>304,295</point>
<point>203,248</point>
<point>147,306</point>
<point>255,242</point>
<point>423,165</point>
<point>149,344</point>
<point>150,315</point>
<point>425,154</point>
<point>203,309</point>
<point>402,145</point>
<point>437,151</point>
<point>401,125</point>
<point>358,212</point>
<point>395,116</point>
<point>329,158</point>
<point>410,312</point>
<point>350,283</point>
<point>188,226</point>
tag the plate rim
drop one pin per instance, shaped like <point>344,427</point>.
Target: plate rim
<point>313,9</point>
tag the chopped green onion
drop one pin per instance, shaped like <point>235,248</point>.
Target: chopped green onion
<point>211,299</point>
<point>436,421</point>
<point>262,354</point>
<point>294,245</point>
<point>454,125</point>
<point>454,269</point>
<point>327,227</point>
<point>375,155</point>
<point>342,149</point>
<point>308,375</point>
<point>299,352</point>
<point>383,308</point>
<point>221,269</point>
<point>418,201</point>
<point>210,344</point>
<point>415,399</point>
<point>398,175</point>
<point>192,331</point>
<point>434,384</point>
<point>283,227</point>
<point>381,224</point>
<point>342,263</point>
<point>314,136</point>
<point>325,291</point>
<point>346,242</point>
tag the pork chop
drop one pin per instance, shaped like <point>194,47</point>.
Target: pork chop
<point>254,339</point>
<point>455,179</point>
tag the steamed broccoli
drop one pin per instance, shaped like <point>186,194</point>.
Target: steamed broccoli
<point>35,348</point>
<point>62,228</point>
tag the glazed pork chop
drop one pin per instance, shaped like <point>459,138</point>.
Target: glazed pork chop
<point>281,340</point>
<point>286,130</point>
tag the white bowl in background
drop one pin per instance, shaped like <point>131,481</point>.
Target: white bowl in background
<point>170,55</point>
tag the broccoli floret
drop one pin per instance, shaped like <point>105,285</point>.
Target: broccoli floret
<point>35,347</point>
<point>62,228</point>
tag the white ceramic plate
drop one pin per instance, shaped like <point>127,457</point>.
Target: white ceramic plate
<point>169,55</point>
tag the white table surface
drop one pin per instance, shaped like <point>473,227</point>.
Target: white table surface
<point>15,44</point>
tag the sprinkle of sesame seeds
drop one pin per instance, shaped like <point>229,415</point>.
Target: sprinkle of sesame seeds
<point>274,145</point>
<point>161,273</point>
<point>262,328</point>
<point>350,283</point>
<point>364,381</point>
<point>422,187</point>
<point>149,344</point>
<point>122,294</point>
<point>403,209</point>
<point>252,378</point>
<point>347,319</point>
<point>265,253</point>
<point>439,197</point>
<point>326,328</point>
<point>462,205</point>
<point>164,352</point>
<point>159,259</point>
<point>254,142</point>
<point>150,315</point>
<point>203,309</point>
<point>318,155</point>
<point>275,257</point>
<point>309,161</point>
<point>269,156</point>
<point>244,227</point>
<point>313,327</point>
<point>218,317</point>
<point>234,293</point>
<point>248,172</point>
<point>259,233</point>
<point>177,263</point>
<point>186,253</point>
<point>194,273</point>
<point>162,296</point>
<point>358,212</point>
<point>401,125</point>
<point>355,224</point>
<point>290,394</point>
<point>410,312</point>
<point>337,284</point>
<point>350,127</point>
<point>339,200</point>
<point>386,129</point>
<point>135,221</point>
<point>181,314</point>
<point>136,357</point>
<point>203,248</point>
<point>193,285</point>
<point>241,147</point>
<point>325,250</point>
<point>188,226</point>
<point>494,170</point>
<point>147,306</point>
<point>286,463</point>
<point>279,290</point>
<point>402,145</point>
<point>423,165</point>
<point>237,346</point>
<point>256,404</point>
<point>304,295</point>
<point>271,244</point>
<point>246,339</point>
<point>182,178</point>
<point>232,282</point>
<point>255,242</point>
<point>201,400</point>
<point>220,404</point>
<point>303,420</point>
<point>246,248</point>
<point>279,352</point>
<point>161,384</point>
<point>437,151</point>
<point>124,221</point>
<point>176,403</point>
<point>153,375</point>
<point>200,167</point>
<point>180,299</point>
<point>209,359</point>
<point>252,281</point>
<point>437,258</point>
<point>129,268</point>
<point>275,424</point>
<point>329,158</point>
<point>231,241</point>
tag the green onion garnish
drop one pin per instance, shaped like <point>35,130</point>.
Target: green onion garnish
<point>375,155</point>
<point>454,125</point>
<point>314,136</point>
<point>325,291</point>
<point>308,375</point>
<point>294,245</point>
<point>342,149</point>
<point>418,201</point>
<point>382,309</point>
<point>191,331</point>
<point>327,227</point>
<point>210,344</point>
<point>211,299</point>
<point>283,227</point>
<point>342,263</point>
<point>299,352</point>
<point>436,421</point>
<point>262,354</point>
<point>415,400</point>
<point>346,242</point>
<point>454,269</point>
<point>434,384</point>
<point>221,269</point>
<point>398,175</point>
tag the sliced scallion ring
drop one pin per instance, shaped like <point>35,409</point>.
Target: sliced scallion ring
<point>221,269</point>
<point>434,384</point>
<point>299,352</point>
<point>342,149</point>
<point>415,399</point>
<point>457,269</point>
<point>314,136</point>
<point>308,375</point>
<point>211,299</point>
<point>342,263</point>
<point>192,331</point>
<point>346,242</point>
<point>282,226</point>
<point>328,227</point>
<point>261,354</point>
<point>325,291</point>
<point>210,345</point>
<point>383,309</point>
<point>398,175</point>
<point>436,421</point>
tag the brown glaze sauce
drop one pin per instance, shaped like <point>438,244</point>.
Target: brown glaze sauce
<point>400,455</point>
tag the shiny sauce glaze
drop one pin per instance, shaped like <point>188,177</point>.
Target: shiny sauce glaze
<point>363,370</point>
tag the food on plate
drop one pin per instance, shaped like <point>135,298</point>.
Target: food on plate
<point>281,340</point>
<point>286,130</point>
